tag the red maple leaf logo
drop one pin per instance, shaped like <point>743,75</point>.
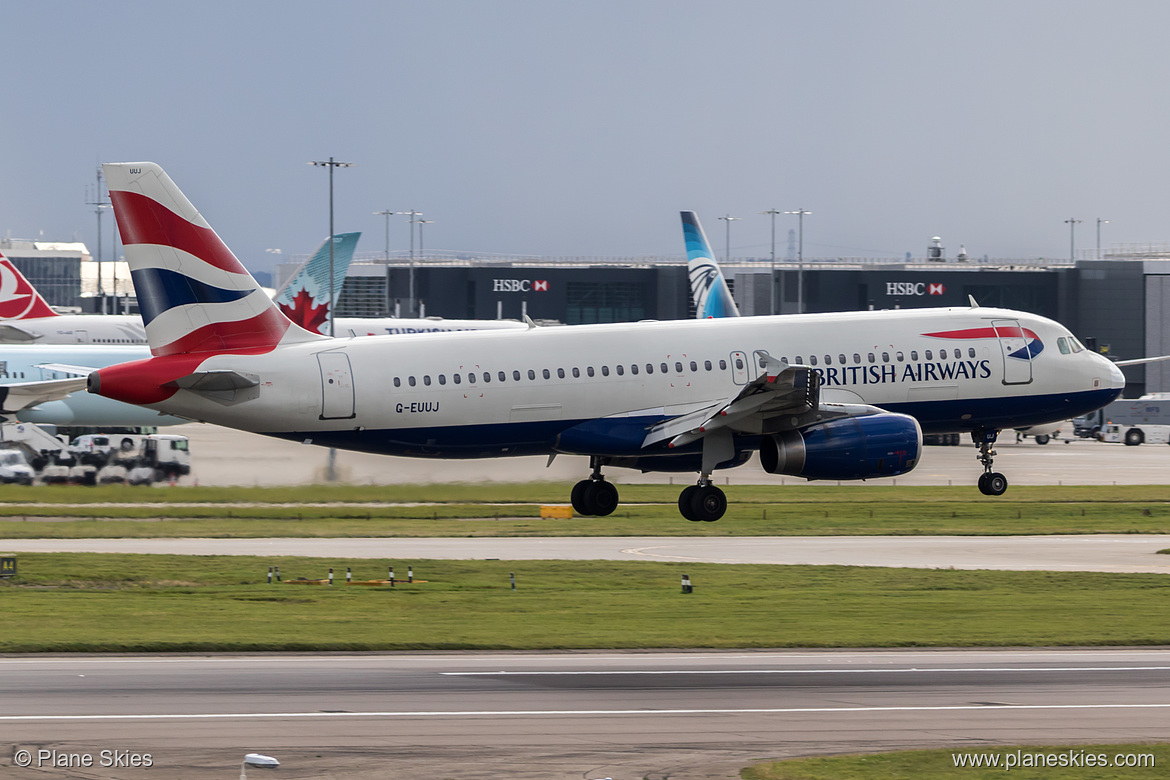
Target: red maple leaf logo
<point>305,313</point>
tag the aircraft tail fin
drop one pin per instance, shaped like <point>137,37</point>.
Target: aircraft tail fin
<point>708,287</point>
<point>19,300</point>
<point>195,296</point>
<point>304,298</point>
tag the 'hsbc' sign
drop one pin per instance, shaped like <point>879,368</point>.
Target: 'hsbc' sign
<point>915,288</point>
<point>519,285</point>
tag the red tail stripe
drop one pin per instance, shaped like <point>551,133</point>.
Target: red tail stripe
<point>142,220</point>
<point>259,334</point>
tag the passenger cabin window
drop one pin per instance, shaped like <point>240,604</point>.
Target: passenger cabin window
<point>663,367</point>
<point>589,370</point>
<point>410,381</point>
<point>605,370</point>
<point>885,357</point>
<point>502,376</point>
<point>487,377</point>
<point>546,374</point>
<point>634,369</point>
<point>694,366</point>
<point>531,374</point>
<point>649,368</point>
<point>872,359</point>
<point>621,370</point>
<point>856,358</point>
<point>722,365</point>
<point>739,363</point>
<point>457,378</point>
<point>799,360</point>
<point>841,359</point>
<point>427,380</point>
<point>576,373</point>
<point>970,351</point>
<point>707,365</point>
<point>442,379</point>
<point>913,354</point>
<point>929,355</point>
<point>677,368</point>
<point>812,360</point>
<point>397,382</point>
<point>560,373</point>
<point>828,360</point>
<point>516,376</point>
<point>471,379</point>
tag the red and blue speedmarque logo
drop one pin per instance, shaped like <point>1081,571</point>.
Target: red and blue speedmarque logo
<point>1032,347</point>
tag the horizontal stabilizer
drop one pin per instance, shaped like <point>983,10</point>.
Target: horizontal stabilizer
<point>22,395</point>
<point>65,368</point>
<point>216,381</point>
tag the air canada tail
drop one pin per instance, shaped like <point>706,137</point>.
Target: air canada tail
<point>708,287</point>
<point>194,294</point>
<point>19,300</point>
<point>304,299</point>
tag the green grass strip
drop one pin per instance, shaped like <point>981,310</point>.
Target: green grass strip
<point>1030,762</point>
<point>159,603</point>
<point>513,510</point>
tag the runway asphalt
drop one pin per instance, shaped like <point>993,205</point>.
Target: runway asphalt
<point>1101,552</point>
<point>686,716</point>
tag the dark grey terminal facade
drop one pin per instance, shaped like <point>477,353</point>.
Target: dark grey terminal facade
<point>1118,306</point>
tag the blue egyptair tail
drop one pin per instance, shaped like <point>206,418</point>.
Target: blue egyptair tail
<point>708,287</point>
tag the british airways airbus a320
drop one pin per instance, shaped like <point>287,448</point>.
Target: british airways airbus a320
<point>821,396</point>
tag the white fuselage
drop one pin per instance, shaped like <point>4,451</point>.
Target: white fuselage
<point>521,392</point>
<point>110,329</point>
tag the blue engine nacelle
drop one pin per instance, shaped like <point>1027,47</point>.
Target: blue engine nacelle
<point>877,445</point>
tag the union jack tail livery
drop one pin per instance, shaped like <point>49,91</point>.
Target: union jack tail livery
<point>19,300</point>
<point>194,294</point>
<point>708,287</point>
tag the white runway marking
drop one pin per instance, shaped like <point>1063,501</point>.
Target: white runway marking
<point>575,713</point>
<point>814,671</point>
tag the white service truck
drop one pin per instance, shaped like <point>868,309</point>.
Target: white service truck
<point>1134,421</point>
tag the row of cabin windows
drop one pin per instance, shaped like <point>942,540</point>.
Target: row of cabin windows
<point>619,370</point>
<point>900,357</point>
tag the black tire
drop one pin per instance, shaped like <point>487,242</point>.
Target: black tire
<point>577,497</point>
<point>1134,437</point>
<point>1042,438</point>
<point>708,503</point>
<point>684,503</point>
<point>983,484</point>
<point>997,484</point>
<point>601,497</point>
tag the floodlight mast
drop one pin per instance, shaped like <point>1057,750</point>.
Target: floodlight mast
<point>331,164</point>
<point>800,258</point>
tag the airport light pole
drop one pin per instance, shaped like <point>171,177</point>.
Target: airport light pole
<point>422,222</point>
<point>800,258</point>
<point>387,213</point>
<point>1099,223</point>
<point>413,219</point>
<point>1072,223</point>
<point>728,219</point>
<point>99,208</point>
<point>331,164</point>
<point>772,276</point>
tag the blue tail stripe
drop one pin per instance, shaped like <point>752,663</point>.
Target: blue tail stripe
<point>160,289</point>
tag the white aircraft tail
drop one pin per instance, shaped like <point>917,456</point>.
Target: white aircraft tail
<point>708,287</point>
<point>19,300</point>
<point>304,298</point>
<point>194,294</point>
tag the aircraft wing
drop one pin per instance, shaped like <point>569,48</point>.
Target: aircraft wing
<point>10,333</point>
<point>782,398</point>
<point>67,368</point>
<point>22,395</point>
<point>1139,361</point>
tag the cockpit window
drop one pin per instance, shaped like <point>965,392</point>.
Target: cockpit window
<point>1077,346</point>
<point>1062,345</point>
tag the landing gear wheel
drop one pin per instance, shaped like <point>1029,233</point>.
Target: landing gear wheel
<point>708,503</point>
<point>577,497</point>
<point>684,503</point>
<point>996,484</point>
<point>601,498</point>
<point>1042,438</point>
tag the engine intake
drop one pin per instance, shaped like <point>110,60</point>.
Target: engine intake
<point>876,445</point>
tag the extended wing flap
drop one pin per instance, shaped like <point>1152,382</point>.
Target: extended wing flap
<point>15,334</point>
<point>22,395</point>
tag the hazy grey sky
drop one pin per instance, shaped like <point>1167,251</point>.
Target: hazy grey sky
<point>559,128</point>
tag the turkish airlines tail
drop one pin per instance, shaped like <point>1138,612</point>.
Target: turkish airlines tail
<point>194,295</point>
<point>19,300</point>
<point>708,287</point>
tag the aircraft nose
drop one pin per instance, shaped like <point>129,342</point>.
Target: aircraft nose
<point>1116,378</point>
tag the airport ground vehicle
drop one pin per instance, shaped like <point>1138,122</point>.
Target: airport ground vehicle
<point>14,468</point>
<point>1133,421</point>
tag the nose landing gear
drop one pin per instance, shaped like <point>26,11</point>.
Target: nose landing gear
<point>991,483</point>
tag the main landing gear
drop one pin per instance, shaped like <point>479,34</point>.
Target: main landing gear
<point>702,502</point>
<point>991,483</point>
<point>594,496</point>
